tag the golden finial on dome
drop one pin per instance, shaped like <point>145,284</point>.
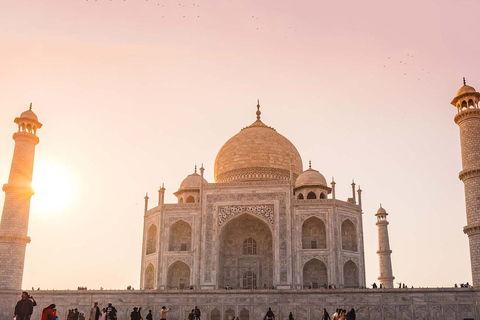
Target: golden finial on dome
<point>195,168</point>
<point>309,164</point>
<point>258,109</point>
<point>31,103</point>
<point>464,82</point>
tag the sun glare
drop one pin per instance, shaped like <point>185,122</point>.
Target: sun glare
<point>54,187</point>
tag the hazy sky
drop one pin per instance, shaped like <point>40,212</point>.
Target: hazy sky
<point>135,93</point>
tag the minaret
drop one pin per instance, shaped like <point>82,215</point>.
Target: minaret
<point>384,253</point>
<point>468,119</point>
<point>16,209</point>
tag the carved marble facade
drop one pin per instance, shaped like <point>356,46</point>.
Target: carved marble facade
<point>253,234</point>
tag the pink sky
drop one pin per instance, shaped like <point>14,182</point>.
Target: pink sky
<point>133,94</point>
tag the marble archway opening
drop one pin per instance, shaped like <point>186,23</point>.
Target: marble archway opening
<point>315,274</point>
<point>245,253</point>
<point>178,275</point>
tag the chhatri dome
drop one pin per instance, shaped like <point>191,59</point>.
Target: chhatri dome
<point>257,152</point>
<point>310,177</point>
<point>192,181</point>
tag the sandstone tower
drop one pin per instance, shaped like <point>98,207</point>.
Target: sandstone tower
<point>468,119</point>
<point>18,191</point>
<point>384,253</point>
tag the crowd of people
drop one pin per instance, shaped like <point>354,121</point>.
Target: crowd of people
<point>24,310</point>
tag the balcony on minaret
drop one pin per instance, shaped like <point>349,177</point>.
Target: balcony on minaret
<point>466,98</point>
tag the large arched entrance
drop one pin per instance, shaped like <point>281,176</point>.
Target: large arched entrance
<point>245,253</point>
<point>350,275</point>
<point>315,274</point>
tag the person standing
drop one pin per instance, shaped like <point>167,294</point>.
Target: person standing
<point>325,316</point>
<point>103,315</point>
<point>191,315</point>
<point>94,312</point>
<point>24,307</point>
<point>135,315</point>
<point>164,313</point>
<point>49,313</point>
<point>351,315</point>
<point>197,313</point>
<point>270,315</point>
<point>290,316</point>
<point>111,312</point>
<point>75,314</point>
<point>149,315</point>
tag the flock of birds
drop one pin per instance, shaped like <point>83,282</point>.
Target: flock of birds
<point>407,65</point>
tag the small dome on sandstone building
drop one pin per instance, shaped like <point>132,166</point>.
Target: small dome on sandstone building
<point>192,181</point>
<point>310,177</point>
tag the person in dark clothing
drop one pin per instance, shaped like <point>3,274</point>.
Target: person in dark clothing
<point>135,315</point>
<point>75,314</point>
<point>111,312</point>
<point>325,316</point>
<point>24,307</point>
<point>270,315</point>
<point>351,315</point>
<point>191,315</point>
<point>149,315</point>
<point>197,313</point>
<point>290,316</point>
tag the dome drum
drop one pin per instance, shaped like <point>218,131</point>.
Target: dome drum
<point>253,174</point>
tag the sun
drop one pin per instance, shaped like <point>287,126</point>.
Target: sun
<point>54,186</point>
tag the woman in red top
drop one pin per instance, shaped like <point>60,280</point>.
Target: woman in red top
<point>49,313</point>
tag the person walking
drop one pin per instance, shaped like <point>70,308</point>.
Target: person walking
<point>149,315</point>
<point>164,313</point>
<point>49,313</point>
<point>197,313</point>
<point>94,312</point>
<point>24,307</point>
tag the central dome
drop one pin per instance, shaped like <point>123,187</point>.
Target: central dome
<point>257,152</point>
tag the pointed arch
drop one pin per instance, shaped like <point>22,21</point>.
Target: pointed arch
<point>349,236</point>
<point>323,196</point>
<point>244,314</point>
<point>190,199</point>
<point>215,314</point>
<point>229,314</point>
<point>180,238</point>
<point>151,240</point>
<point>315,274</point>
<point>314,234</point>
<point>178,275</point>
<point>311,195</point>
<point>149,282</point>
<point>180,200</point>
<point>300,196</point>
<point>350,275</point>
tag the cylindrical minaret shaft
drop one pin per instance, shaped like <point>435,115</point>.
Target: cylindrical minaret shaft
<point>468,119</point>
<point>16,208</point>
<point>384,253</point>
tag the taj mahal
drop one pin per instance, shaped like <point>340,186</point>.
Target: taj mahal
<point>264,223</point>
<point>267,229</point>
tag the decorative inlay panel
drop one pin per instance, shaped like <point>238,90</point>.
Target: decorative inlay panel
<point>354,259</point>
<point>227,212</point>
<point>308,257</point>
<point>188,219</point>
<point>306,215</point>
<point>187,260</point>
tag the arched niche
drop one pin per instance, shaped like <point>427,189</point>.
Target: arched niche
<point>315,274</point>
<point>349,236</point>
<point>244,314</point>
<point>350,275</point>
<point>190,199</point>
<point>178,275</point>
<point>314,235</point>
<point>300,196</point>
<point>151,240</point>
<point>215,314</point>
<point>229,314</point>
<point>180,238</point>
<point>311,195</point>
<point>233,263</point>
<point>149,282</point>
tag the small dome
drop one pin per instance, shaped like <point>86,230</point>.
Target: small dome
<point>192,181</point>
<point>29,114</point>
<point>310,177</point>
<point>466,89</point>
<point>381,211</point>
